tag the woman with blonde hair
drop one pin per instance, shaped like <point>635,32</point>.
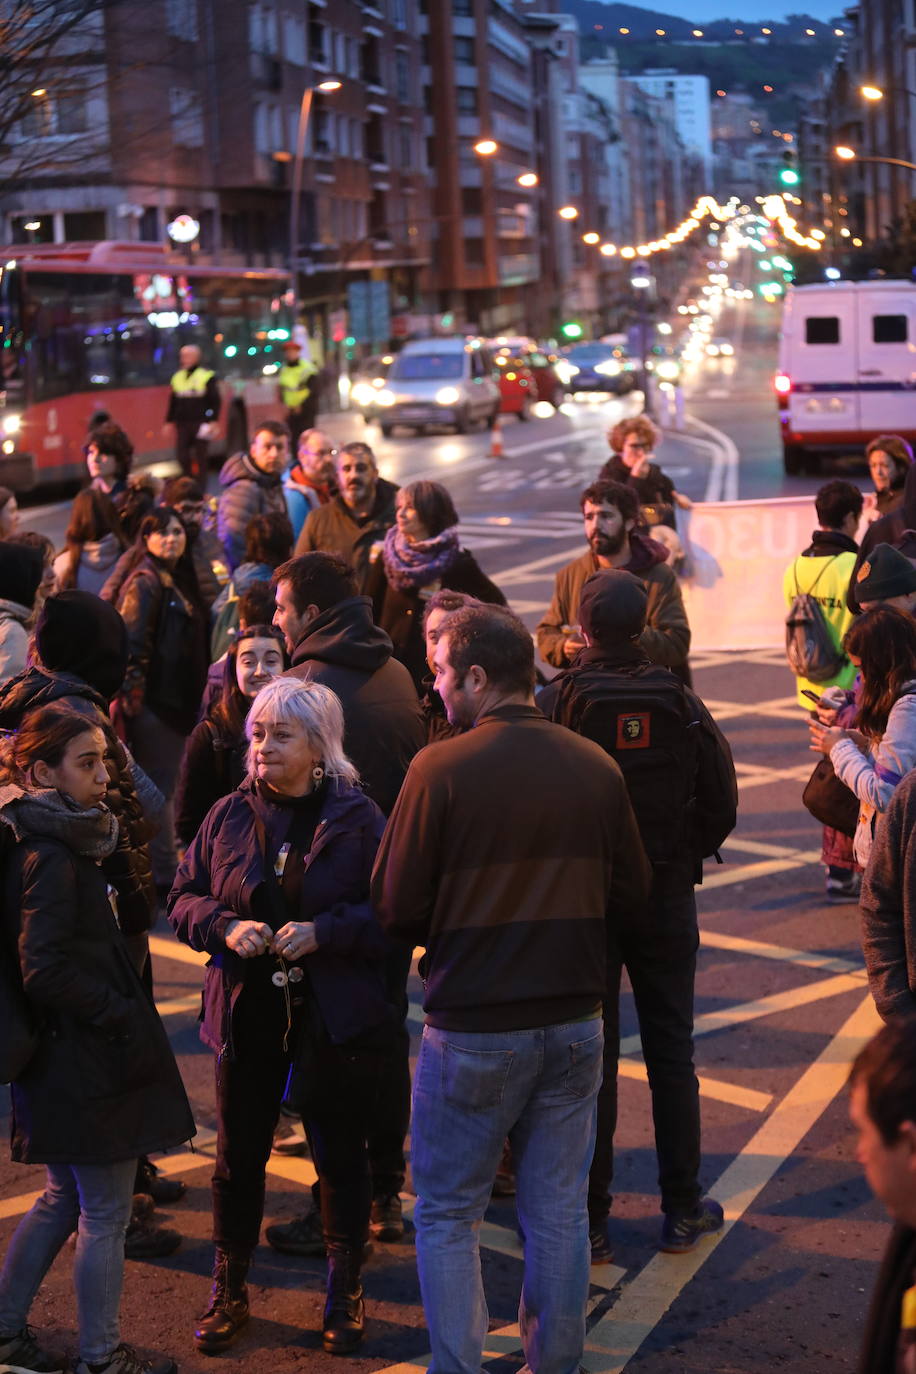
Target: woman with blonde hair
<point>275,888</point>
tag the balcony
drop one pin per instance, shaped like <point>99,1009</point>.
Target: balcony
<point>519,268</point>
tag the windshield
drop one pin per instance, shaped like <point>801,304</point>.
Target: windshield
<point>590,353</point>
<point>427,367</point>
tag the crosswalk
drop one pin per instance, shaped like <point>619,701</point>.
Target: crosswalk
<point>496,531</point>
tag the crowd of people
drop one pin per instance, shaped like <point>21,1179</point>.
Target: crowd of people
<point>306,726</point>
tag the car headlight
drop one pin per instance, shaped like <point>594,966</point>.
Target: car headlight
<point>609,369</point>
<point>712,350</point>
<point>668,371</point>
<point>726,350</point>
<point>363,394</point>
<point>385,398</point>
<point>448,396</point>
<point>12,424</point>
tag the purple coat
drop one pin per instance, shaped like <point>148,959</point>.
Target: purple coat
<point>223,869</point>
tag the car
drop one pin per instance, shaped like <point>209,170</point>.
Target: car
<point>720,348</point>
<point>439,381</point>
<point>541,362</point>
<point>517,385</point>
<point>596,367</point>
<point>367,382</point>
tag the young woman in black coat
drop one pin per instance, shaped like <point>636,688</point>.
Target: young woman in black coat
<point>102,1086</point>
<point>215,755</point>
<point>421,555</point>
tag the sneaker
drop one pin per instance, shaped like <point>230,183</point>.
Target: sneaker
<point>843,890</point>
<point>125,1360</point>
<point>21,1354</point>
<point>386,1221</point>
<point>682,1230</point>
<point>289,1137</point>
<point>144,1241</point>
<point>163,1191</point>
<point>302,1236</point>
<point>602,1252</point>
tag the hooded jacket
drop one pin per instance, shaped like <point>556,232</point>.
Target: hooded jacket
<point>103,1084</point>
<point>167,644</point>
<point>888,529</point>
<point>666,638</point>
<point>219,881</point>
<point>875,776</point>
<point>96,561</point>
<point>21,569</point>
<point>332,529</point>
<point>383,723</point>
<point>246,492</point>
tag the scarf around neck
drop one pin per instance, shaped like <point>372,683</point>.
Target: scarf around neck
<point>408,566</point>
<point>50,814</point>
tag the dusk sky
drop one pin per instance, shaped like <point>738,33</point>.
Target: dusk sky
<point>702,11</point>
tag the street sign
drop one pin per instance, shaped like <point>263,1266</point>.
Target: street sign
<point>369,306</point>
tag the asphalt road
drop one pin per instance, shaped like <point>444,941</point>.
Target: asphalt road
<point>782,1006</point>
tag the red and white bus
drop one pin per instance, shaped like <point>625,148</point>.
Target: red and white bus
<point>92,327</point>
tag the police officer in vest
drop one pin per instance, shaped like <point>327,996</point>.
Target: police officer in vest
<point>298,392</point>
<point>194,403</point>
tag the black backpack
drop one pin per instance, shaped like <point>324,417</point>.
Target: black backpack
<point>644,719</point>
<point>809,648</point>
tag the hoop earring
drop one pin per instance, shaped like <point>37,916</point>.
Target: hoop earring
<point>317,773</point>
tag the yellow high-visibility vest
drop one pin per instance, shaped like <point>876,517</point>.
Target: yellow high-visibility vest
<point>293,379</point>
<point>194,383</point>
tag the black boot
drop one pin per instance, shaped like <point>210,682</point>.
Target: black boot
<point>228,1310</point>
<point>342,1331</point>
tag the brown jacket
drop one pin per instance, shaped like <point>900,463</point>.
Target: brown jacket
<point>666,638</point>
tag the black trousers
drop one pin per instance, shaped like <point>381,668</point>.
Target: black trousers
<point>302,418</point>
<point>660,957</point>
<point>345,1085</point>
<point>190,451</point>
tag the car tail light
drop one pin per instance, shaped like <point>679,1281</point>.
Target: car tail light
<point>783,384</point>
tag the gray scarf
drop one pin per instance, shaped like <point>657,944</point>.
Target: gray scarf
<point>53,815</point>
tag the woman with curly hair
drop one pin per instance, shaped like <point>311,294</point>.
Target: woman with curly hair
<point>633,443</point>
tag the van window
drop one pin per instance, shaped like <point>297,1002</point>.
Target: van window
<point>427,367</point>
<point>889,328</point>
<point>822,329</point>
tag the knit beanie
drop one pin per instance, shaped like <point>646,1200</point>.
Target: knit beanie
<point>884,574</point>
<point>81,634</point>
<point>613,606</point>
<point>21,570</point>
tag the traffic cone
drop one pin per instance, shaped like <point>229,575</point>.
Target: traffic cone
<point>496,439</point>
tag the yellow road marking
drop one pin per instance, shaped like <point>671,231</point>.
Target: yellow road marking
<point>614,1340</point>
<point>827,963</point>
<point>171,949</point>
<point>172,1006</point>
<point>713,1088</point>
<point>748,872</point>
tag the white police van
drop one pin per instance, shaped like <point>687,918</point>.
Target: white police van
<point>847,367</point>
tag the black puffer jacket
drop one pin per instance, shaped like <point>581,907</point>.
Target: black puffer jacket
<point>128,869</point>
<point>167,645</point>
<point>103,1085</point>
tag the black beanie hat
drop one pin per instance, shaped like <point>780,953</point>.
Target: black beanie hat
<point>885,573</point>
<point>79,633</point>
<point>613,606</point>
<point>21,571</point>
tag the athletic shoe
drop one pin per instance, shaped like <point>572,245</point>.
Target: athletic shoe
<point>289,1137</point>
<point>144,1241</point>
<point>386,1221</point>
<point>22,1354</point>
<point>840,891</point>
<point>163,1191</point>
<point>602,1253</point>
<point>682,1230</point>
<point>125,1360</point>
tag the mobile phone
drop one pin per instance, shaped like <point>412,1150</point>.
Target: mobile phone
<point>812,696</point>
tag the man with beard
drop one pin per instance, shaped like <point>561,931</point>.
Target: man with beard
<point>353,524</point>
<point>610,513</point>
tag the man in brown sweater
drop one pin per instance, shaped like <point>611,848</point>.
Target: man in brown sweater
<point>610,512</point>
<point>508,851</point>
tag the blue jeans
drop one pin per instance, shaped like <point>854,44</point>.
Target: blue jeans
<point>98,1198</point>
<point>471,1091</point>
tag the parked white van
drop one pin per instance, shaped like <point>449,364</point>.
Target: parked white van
<point>447,381</point>
<point>847,367</point>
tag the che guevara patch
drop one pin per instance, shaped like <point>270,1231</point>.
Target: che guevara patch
<point>633,730</point>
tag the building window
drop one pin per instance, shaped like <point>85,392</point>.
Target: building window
<point>399,14</point>
<point>181,19</point>
<point>58,112</point>
<point>464,51</point>
<point>473,252</point>
<point>405,147</point>
<point>466,99</point>
<point>186,110</point>
<point>471,200</point>
<point>401,76</point>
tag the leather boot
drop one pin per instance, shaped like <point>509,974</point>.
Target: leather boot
<point>344,1315</point>
<point>228,1310</point>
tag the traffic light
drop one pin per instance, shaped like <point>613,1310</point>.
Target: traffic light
<point>571,330</point>
<point>789,172</point>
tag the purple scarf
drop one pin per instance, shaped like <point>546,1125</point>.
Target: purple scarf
<point>410,566</point>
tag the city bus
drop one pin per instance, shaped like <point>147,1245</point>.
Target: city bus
<point>95,328</point>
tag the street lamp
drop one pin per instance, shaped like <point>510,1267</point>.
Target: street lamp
<point>528,179</point>
<point>846,154</point>
<point>876,93</point>
<point>486,147</point>
<point>641,282</point>
<point>305,110</point>
<point>568,212</point>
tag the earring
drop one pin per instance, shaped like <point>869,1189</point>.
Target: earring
<point>317,773</point>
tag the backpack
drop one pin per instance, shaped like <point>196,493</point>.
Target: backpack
<point>644,719</point>
<point>809,647</point>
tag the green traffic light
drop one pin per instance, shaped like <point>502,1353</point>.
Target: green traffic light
<point>789,177</point>
<point>571,330</point>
